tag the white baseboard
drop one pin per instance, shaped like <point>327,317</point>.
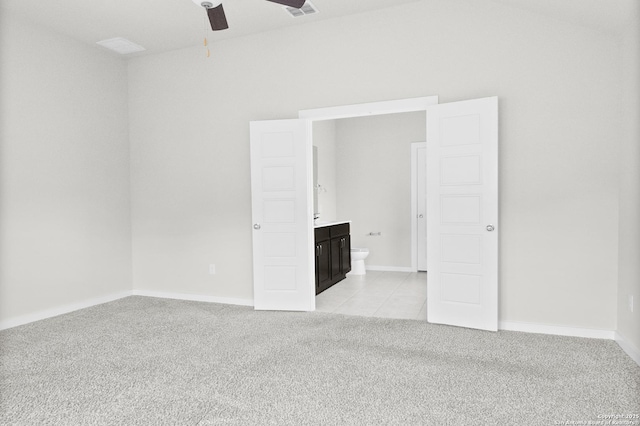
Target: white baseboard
<point>557,330</point>
<point>389,268</point>
<point>194,297</point>
<point>65,309</point>
<point>628,347</point>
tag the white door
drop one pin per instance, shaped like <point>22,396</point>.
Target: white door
<point>422,207</point>
<point>462,203</point>
<point>282,204</point>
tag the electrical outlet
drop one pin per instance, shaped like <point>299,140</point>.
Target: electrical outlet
<point>212,269</point>
<point>631,302</point>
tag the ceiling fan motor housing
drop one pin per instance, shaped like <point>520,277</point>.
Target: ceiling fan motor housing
<point>207,4</point>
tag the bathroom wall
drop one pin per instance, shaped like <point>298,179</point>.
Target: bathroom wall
<point>324,137</point>
<point>373,158</point>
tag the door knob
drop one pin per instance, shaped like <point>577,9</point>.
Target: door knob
<point>256,226</point>
<point>490,228</point>
<point>421,216</point>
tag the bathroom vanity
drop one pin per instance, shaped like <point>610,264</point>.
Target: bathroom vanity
<point>333,253</point>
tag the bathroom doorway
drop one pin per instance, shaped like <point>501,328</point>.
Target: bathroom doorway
<point>462,213</point>
<point>366,176</point>
<point>366,170</point>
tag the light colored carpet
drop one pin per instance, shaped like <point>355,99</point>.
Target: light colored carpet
<point>151,361</point>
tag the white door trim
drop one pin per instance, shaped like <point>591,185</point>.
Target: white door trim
<point>366,109</point>
<point>414,203</point>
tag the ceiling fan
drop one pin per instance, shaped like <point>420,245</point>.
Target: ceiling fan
<point>218,19</point>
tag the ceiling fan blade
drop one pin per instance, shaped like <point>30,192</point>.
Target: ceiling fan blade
<point>217,18</point>
<point>291,3</point>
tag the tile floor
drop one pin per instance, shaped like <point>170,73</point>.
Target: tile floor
<point>378,294</point>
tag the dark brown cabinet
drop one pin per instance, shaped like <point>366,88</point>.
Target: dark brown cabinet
<point>333,255</point>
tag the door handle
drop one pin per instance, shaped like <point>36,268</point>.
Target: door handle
<point>490,228</point>
<point>256,226</point>
<point>420,216</point>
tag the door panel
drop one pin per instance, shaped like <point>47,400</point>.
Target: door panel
<point>283,262</point>
<point>462,204</point>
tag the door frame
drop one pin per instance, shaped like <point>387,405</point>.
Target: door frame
<point>414,202</point>
<point>426,104</point>
<point>369,109</point>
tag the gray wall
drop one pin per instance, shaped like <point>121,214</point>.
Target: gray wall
<point>65,232</point>
<point>559,87</point>
<point>629,228</point>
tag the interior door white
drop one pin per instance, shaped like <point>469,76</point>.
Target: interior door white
<point>462,204</point>
<point>282,204</point>
<point>421,158</point>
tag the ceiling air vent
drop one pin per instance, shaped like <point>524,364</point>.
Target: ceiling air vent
<point>121,45</point>
<point>306,9</point>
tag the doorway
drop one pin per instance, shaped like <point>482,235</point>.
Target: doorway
<point>462,211</point>
<point>366,174</point>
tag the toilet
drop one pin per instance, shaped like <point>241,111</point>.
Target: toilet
<point>358,255</point>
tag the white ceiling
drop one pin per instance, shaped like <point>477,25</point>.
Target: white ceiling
<point>610,16</point>
<point>162,25</point>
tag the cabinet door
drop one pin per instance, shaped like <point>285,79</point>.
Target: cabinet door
<point>345,255</point>
<point>317,270</point>
<point>336,270</point>
<point>323,271</point>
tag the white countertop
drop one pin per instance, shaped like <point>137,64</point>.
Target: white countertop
<point>322,224</point>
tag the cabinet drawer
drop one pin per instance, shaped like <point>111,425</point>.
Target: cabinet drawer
<point>340,230</point>
<point>322,234</point>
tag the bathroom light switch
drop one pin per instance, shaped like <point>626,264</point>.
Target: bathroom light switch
<point>212,269</point>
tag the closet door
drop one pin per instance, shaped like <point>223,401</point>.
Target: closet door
<point>462,212</point>
<point>282,204</point>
